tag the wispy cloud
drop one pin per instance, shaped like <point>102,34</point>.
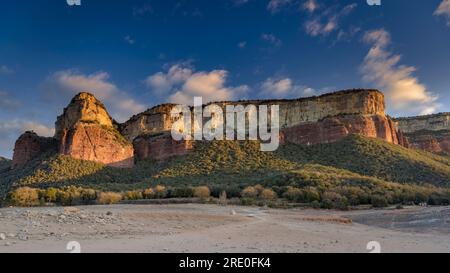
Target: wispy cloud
<point>139,11</point>
<point>404,92</point>
<point>129,40</point>
<point>327,21</point>
<point>10,130</point>
<point>275,6</point>
<point>242,44</point>
<point>5,70</point>
<point>238,3</point>
<point>310,5</point>
<point>65,84</point>
<point>181,83</point>
<point>272,39</point>
<point>284,88</point>
<point>444,10</point>
<point>7,102</point>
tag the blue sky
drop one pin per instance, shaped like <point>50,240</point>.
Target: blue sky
<point>133,54</point>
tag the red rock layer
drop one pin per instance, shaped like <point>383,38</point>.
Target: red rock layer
<point>432,141</point>
<point>95,143</point>
<point>30,145</point>
<point>160,147</point>
<point>333,129</point>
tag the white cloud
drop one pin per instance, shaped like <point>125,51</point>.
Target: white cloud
<point>404,92</point>
<point>272,39</point>
<point>310,5</point>
<point>444,10</point>
<point>284,89</point>
<point>275,6</point>
<point>181,84</point>
<point>6,102</point>
<point>327,21</point>
<point>11,130</point>
<point>66,84</point>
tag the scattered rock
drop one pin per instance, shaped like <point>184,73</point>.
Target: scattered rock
<point>2,236</point>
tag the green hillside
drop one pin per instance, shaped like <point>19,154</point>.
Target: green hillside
<point>356,167</point>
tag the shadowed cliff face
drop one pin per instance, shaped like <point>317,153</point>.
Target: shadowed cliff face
<point>430,133</point>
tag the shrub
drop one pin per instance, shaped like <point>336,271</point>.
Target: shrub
<point>50,195</point>
<point>202,192</point>
<point>294,194</point>
<point>149,193</point>
<point>88,196</point>
<point>182,192</point>
<point>334,200</point>
<point>160,192</point>
<point>379,201</point>
<point>268,194</point>
<point>132,195</point>
<point>249,192</point>
<point>108,198</point>
<point>64,198</point>
<point>24,197</point>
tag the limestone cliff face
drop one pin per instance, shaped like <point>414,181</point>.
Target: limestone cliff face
<point>292,112</point>
<point>29,146</point>
<point>84,108</point>
<point>430,133</point>
<point>323,119</point>
<point>154,120</point>
<point>85,131</point>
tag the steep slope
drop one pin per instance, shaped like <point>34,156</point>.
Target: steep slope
<point>356,159</point>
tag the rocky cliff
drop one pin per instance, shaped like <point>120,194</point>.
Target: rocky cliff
<point>430,133</point>
<point>84,131</point>
<point>322,119</point>
<point>30,145</point>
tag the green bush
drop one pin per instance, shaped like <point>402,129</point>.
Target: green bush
<point>379,201</point>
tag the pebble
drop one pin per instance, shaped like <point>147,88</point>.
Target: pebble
<point>2,236</point>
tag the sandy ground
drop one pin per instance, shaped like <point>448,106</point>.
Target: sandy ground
<point>211,228</point>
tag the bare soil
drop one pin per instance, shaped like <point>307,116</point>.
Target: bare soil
<point>189,228</point>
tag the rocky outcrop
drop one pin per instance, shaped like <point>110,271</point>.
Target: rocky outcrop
<point>83,109</point>
<point>29,146</point>
<point>160,147</point>
<point>154,120</point>
<point>322,119</point>
<point>430,133</point>
<point>97,143</point>
<point>85,131</point>
<point>333,129</point>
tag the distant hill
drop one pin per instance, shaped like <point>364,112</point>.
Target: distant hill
<point>355,165</point>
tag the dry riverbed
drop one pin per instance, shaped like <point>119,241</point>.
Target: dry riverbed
<point>211,228</point>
